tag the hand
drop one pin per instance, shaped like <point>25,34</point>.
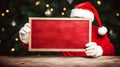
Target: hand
<point>24,33</point>
<point>93,50</point>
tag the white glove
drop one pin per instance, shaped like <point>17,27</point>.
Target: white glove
<point>93,50</point>
<point>24,33</point>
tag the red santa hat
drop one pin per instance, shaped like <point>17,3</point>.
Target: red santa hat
<point>87,10</point>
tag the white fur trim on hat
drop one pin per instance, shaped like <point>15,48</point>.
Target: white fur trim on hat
<point>82,13</point>
<point>102,30</point>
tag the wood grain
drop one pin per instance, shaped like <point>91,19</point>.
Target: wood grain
<point>58,61</point>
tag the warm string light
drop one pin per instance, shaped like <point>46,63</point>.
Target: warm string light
<point>51,9</point>
<point>117,14</point>
<point>48,12</point>
<point>64,9</point>
<point>7,11</point>
<point>2,14</point>
<point>47,5</point>
<point>12,49</point>
<point>37,3</point>
<point>13,23</point>
<point>99,2</point>
<point>16,39</point>
<point>62,13</point>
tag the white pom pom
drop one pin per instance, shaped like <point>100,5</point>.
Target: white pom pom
<point>102,30</point>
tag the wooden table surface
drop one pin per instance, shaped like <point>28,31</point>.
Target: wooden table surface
<point>57,61</point>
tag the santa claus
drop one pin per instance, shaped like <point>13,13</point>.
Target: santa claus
<point>100,44</point>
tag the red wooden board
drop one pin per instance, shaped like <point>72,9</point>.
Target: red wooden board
<point>59,34</point>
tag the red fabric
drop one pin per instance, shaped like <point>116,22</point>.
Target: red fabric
<point>88,6</point>
<point>25,45</point>
<point>103,41</point>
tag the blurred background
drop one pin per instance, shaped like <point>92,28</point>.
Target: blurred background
<point>15,13</point>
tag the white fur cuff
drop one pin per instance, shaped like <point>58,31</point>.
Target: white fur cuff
<point>82,13</point>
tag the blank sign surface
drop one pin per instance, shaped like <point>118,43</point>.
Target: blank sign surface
<point>59,34</point>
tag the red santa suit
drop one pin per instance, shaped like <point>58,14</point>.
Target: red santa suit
<point>99,36</point>
<point>103,41</point>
